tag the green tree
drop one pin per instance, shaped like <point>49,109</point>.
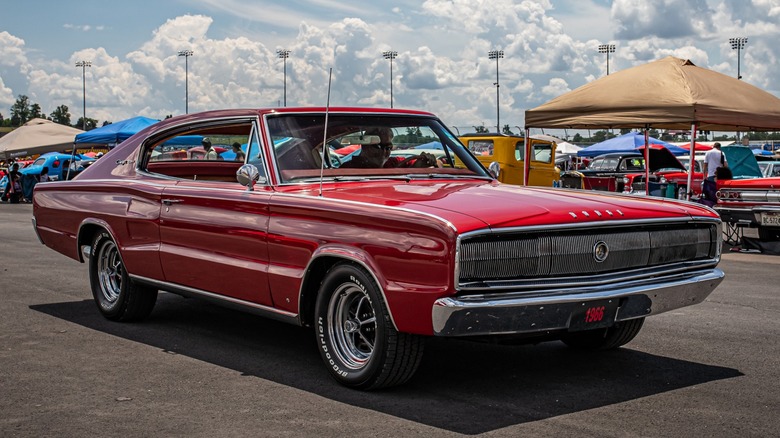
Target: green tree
<point>106,123</point>
<point>598,136</point>
<point>35,112</point>
<point>577,138</point>
<point>507,130</point>
<point>480,129</point>
<point>91,124</point>
<point>61,115</point>
<point>20,111</point>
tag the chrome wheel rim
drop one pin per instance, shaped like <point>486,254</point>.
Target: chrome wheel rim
<point>109,270</point>
<point>352,325</point>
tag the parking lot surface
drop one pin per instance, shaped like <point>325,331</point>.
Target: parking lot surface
<point>194,369</point>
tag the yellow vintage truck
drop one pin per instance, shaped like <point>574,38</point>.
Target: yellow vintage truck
<point>508,151</point>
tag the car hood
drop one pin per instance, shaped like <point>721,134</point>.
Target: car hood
<point>475,205</point>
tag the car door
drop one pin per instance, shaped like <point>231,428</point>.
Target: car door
<point>213,231</point>
<point>213,238</point>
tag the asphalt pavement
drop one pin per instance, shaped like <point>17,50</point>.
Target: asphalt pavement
<point>193,369</point>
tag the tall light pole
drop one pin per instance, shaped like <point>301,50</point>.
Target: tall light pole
<point>738,44</point>
<point>84,65</point>
<point>186,54</point>
<point>496,54</point>
<point>390,54</point>
<point>607,48</point>
<point>284,54</point>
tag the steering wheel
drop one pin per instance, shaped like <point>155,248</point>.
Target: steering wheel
<point>422,160</point>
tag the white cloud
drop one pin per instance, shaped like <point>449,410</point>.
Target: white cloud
<point>550,46</point>
<point>6,96</point>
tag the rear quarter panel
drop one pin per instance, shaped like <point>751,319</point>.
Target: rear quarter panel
<point>128,210</point>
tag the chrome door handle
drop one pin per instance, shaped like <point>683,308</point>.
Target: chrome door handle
<point>171,201</point>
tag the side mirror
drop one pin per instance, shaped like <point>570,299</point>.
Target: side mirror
<point>495,169</point>
<point>248,175</point>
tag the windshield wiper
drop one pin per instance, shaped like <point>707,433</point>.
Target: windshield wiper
<point>445,176</point>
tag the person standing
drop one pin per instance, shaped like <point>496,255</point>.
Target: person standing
<point>13,189</point>
<point>713,159</point>
<point>211,153</point>
<point>240,155</point>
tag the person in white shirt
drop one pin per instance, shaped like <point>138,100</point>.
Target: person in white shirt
<point>211,153</point>
<point>713,159</point>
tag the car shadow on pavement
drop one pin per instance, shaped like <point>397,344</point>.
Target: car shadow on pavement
<point>463,387</point>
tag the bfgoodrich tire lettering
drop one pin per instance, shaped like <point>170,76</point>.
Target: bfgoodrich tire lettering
<point>117,297</point>
<point>605,339</point>
<point>355,336</point>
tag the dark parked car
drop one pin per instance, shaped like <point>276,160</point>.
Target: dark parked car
<point>607,172</point>
<point>374,254</point>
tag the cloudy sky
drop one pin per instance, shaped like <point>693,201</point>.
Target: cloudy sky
<point>442,66</point>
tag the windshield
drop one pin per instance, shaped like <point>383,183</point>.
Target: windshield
<point>367,146</point>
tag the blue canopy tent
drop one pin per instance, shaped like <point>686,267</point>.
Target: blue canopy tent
<point>114,133</point>
<point>118,132</point>
<point>625,143</point>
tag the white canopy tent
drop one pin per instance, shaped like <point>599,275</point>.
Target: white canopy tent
<point>37,136</point>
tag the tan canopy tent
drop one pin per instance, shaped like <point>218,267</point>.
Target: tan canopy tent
<point>37,136</point>
<point>670,93</point>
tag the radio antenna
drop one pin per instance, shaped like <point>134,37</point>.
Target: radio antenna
<point>325,133</point>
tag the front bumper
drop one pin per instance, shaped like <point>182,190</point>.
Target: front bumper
<point>544,311</point>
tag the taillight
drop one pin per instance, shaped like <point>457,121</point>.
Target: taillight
<point>728,195</point>
<point>56,163</point>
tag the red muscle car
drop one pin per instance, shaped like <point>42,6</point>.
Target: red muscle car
<point>374,258</point>
<point>748,200</point>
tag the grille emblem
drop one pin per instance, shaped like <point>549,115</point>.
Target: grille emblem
<point>600,251</point>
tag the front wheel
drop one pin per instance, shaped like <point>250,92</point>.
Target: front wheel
<point>117,297</point>
<point>605,339</point>
<point>355,336</point>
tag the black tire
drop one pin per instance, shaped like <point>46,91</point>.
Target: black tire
<point>355,336</point>
<point>768,234</point>
<point>605,339</point>
<point>117,297</point>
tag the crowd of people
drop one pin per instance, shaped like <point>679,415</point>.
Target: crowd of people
<point>12,183</point>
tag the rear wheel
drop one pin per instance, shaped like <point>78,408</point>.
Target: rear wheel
<point>605,339</point>
<point>355,336</point>
<point>117,297</point>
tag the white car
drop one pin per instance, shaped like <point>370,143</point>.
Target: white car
<point>769,168</point>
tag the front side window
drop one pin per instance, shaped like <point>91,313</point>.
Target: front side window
<point>542,152</point>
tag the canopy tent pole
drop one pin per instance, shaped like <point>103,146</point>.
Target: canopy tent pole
<point>72,156</point>
<point>691,163</point>
<point>527,158</point>
<point>647,161</point>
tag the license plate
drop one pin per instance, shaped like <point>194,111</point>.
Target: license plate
<point>593,315</point>
<point>770,219</point>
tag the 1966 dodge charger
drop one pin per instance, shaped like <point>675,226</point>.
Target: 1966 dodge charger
<point>374,252</point>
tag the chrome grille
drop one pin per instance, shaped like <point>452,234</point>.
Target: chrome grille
<point>545,254</point>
